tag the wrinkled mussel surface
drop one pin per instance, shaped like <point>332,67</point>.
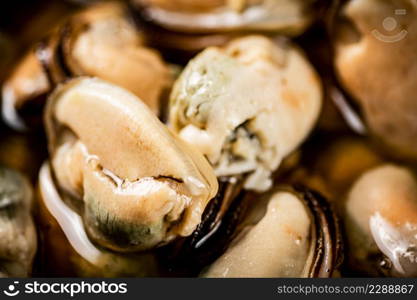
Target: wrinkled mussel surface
<point>218,138</point>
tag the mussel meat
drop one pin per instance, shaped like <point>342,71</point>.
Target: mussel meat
<point>18,240</point>
<point>290,17</point>
<point>375,47</point>
<point>246,106</point>
<point>135,184</point>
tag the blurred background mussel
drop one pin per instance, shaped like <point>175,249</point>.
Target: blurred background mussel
<point>289,232</point>
<point>88,42</point>
<point>146,191</point>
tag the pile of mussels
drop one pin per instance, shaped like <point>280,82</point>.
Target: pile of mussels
<point>216,138</point>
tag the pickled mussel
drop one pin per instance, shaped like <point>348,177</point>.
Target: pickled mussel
<point>239,106</point>
<point>209,138</point>
<point>88,43</point>
<point>214,107</point>
<point>246,106</point>
<point>232,15</point>
<point>375,47</point>
<point>17,231</point>
<point>135,184</point>
<point>381,222</point>
<point>332,168</point>
<point>287,233</point>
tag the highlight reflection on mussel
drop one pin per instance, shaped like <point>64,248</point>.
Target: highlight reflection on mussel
<point>246,106</point>
<point>376,45</point>
<point>135,184</point>
<point>287,233</point>
<point>381,222</point>
<point>88,43</point>
<point>17,231</point>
